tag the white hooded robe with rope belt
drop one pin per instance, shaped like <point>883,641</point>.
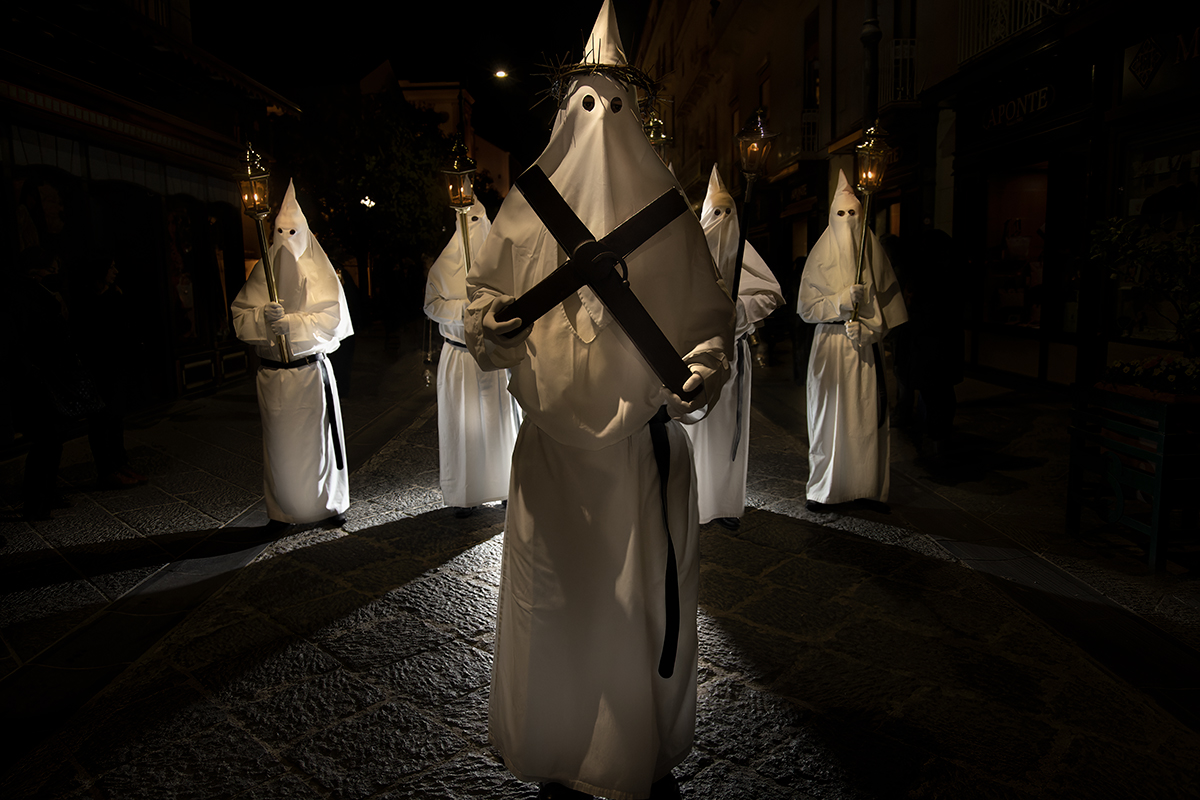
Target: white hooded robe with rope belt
<point>721,440</point>
<point>847,427</point>
<point>577,697</point>
<point>477,417</point>
<point>301,414</point>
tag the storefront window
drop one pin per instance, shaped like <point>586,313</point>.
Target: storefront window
<point>1162,203</point>
<point>1013,260</point>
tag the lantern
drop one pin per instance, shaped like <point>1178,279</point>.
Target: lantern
<point>252,181</point>
<point>754,143</point>
<point>460,177</point>
<point>873,156</point>
<point>256,202</point>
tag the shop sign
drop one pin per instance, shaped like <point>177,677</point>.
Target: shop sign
<point>1163,62</point>
<point>1016,110</point>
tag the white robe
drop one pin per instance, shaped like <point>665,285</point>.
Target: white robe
<point>576,696</point>
<point>848,442</point>
<point>301,480</point>
<point>477,417</point>
<point>721,471</point>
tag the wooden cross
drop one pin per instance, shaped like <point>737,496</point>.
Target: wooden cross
<point>594,263</point>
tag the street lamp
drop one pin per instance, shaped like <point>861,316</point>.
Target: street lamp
<point>460,184</point>
<point>873,155</point>
<point>754,145</point>
<point>252,181</point>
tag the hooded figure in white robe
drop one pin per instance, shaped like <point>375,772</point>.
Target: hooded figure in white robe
<point>579,696</point>
<point>304,471</point>
<point>847,423</point>
<point>477,417</point>
<point>722,439</point>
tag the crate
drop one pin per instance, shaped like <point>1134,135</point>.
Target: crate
<point>1145,451</point>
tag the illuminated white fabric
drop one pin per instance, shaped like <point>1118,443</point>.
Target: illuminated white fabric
<point>848,448</point>
<point>722,479</point>
<point>477,417</point>
<point>301,480</point>
<point>576,697</point>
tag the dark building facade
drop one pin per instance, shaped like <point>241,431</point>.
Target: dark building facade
<point>1019,126</point>
<point>119,141</point>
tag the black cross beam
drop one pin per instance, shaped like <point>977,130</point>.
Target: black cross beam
<point>594,263</point>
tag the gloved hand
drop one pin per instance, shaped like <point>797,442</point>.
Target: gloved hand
<point>854,332</point>
<point>494,331</point>
<point>677,406</point>
<point>273,312</point>
<point>282,326</point>
<point>851,296</point>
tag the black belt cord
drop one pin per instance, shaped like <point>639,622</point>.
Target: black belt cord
<point>741,370</point>
<point>337,439</point>
<point>318,358</point>
<point>662,456</point>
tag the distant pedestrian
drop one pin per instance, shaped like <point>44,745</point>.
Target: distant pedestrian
<point>51,389</point>
<point>847,411</point>
<point>304,467</point>
<point>102,308</point>
<point>935,336</point>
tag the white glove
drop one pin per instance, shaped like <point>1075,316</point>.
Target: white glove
<point>854,332</point>
<point>677,406</point>
<point>494,331</point>
<point>282,326</point>
<point>272,312</point>
<point>851,296</point>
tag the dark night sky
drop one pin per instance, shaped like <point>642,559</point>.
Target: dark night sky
<point>348,40</point>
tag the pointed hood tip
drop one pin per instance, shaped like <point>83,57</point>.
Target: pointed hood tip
<point>604,45</point>
<point>715,183</point>
<point>843,185</point>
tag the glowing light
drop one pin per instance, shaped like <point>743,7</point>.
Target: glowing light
<point>367,201</point>
<point>501,73</point>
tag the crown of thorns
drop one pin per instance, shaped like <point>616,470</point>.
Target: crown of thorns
<point>562,72</point>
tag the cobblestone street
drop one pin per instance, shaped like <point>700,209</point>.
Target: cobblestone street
<point>841,656</point>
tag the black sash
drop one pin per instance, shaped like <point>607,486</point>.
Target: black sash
<point>662,456</point>
<point>741,369</point>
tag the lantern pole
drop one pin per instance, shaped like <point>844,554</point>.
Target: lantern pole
<point>754,145</point>
<point>460,183</point>
<point>256,202</point>
<point>872,160</point>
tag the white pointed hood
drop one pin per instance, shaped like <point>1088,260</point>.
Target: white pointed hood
<point>832,263</point>
<point>308,288</point>
<point>478,226</point>
<point>719,219</point>
<point>604,45</point>
<point>290,229</point>
<point>446,288</point>
<point>600,161</point>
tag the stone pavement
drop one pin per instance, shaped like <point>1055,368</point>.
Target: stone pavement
<point>842,656</point>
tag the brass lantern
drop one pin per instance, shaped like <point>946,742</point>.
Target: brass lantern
<point>256,201</point>
<point>656,131</point>
<point>252,181</point>
<point>460,176</point>
<point>754,143</point>
<point>873,156</point>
